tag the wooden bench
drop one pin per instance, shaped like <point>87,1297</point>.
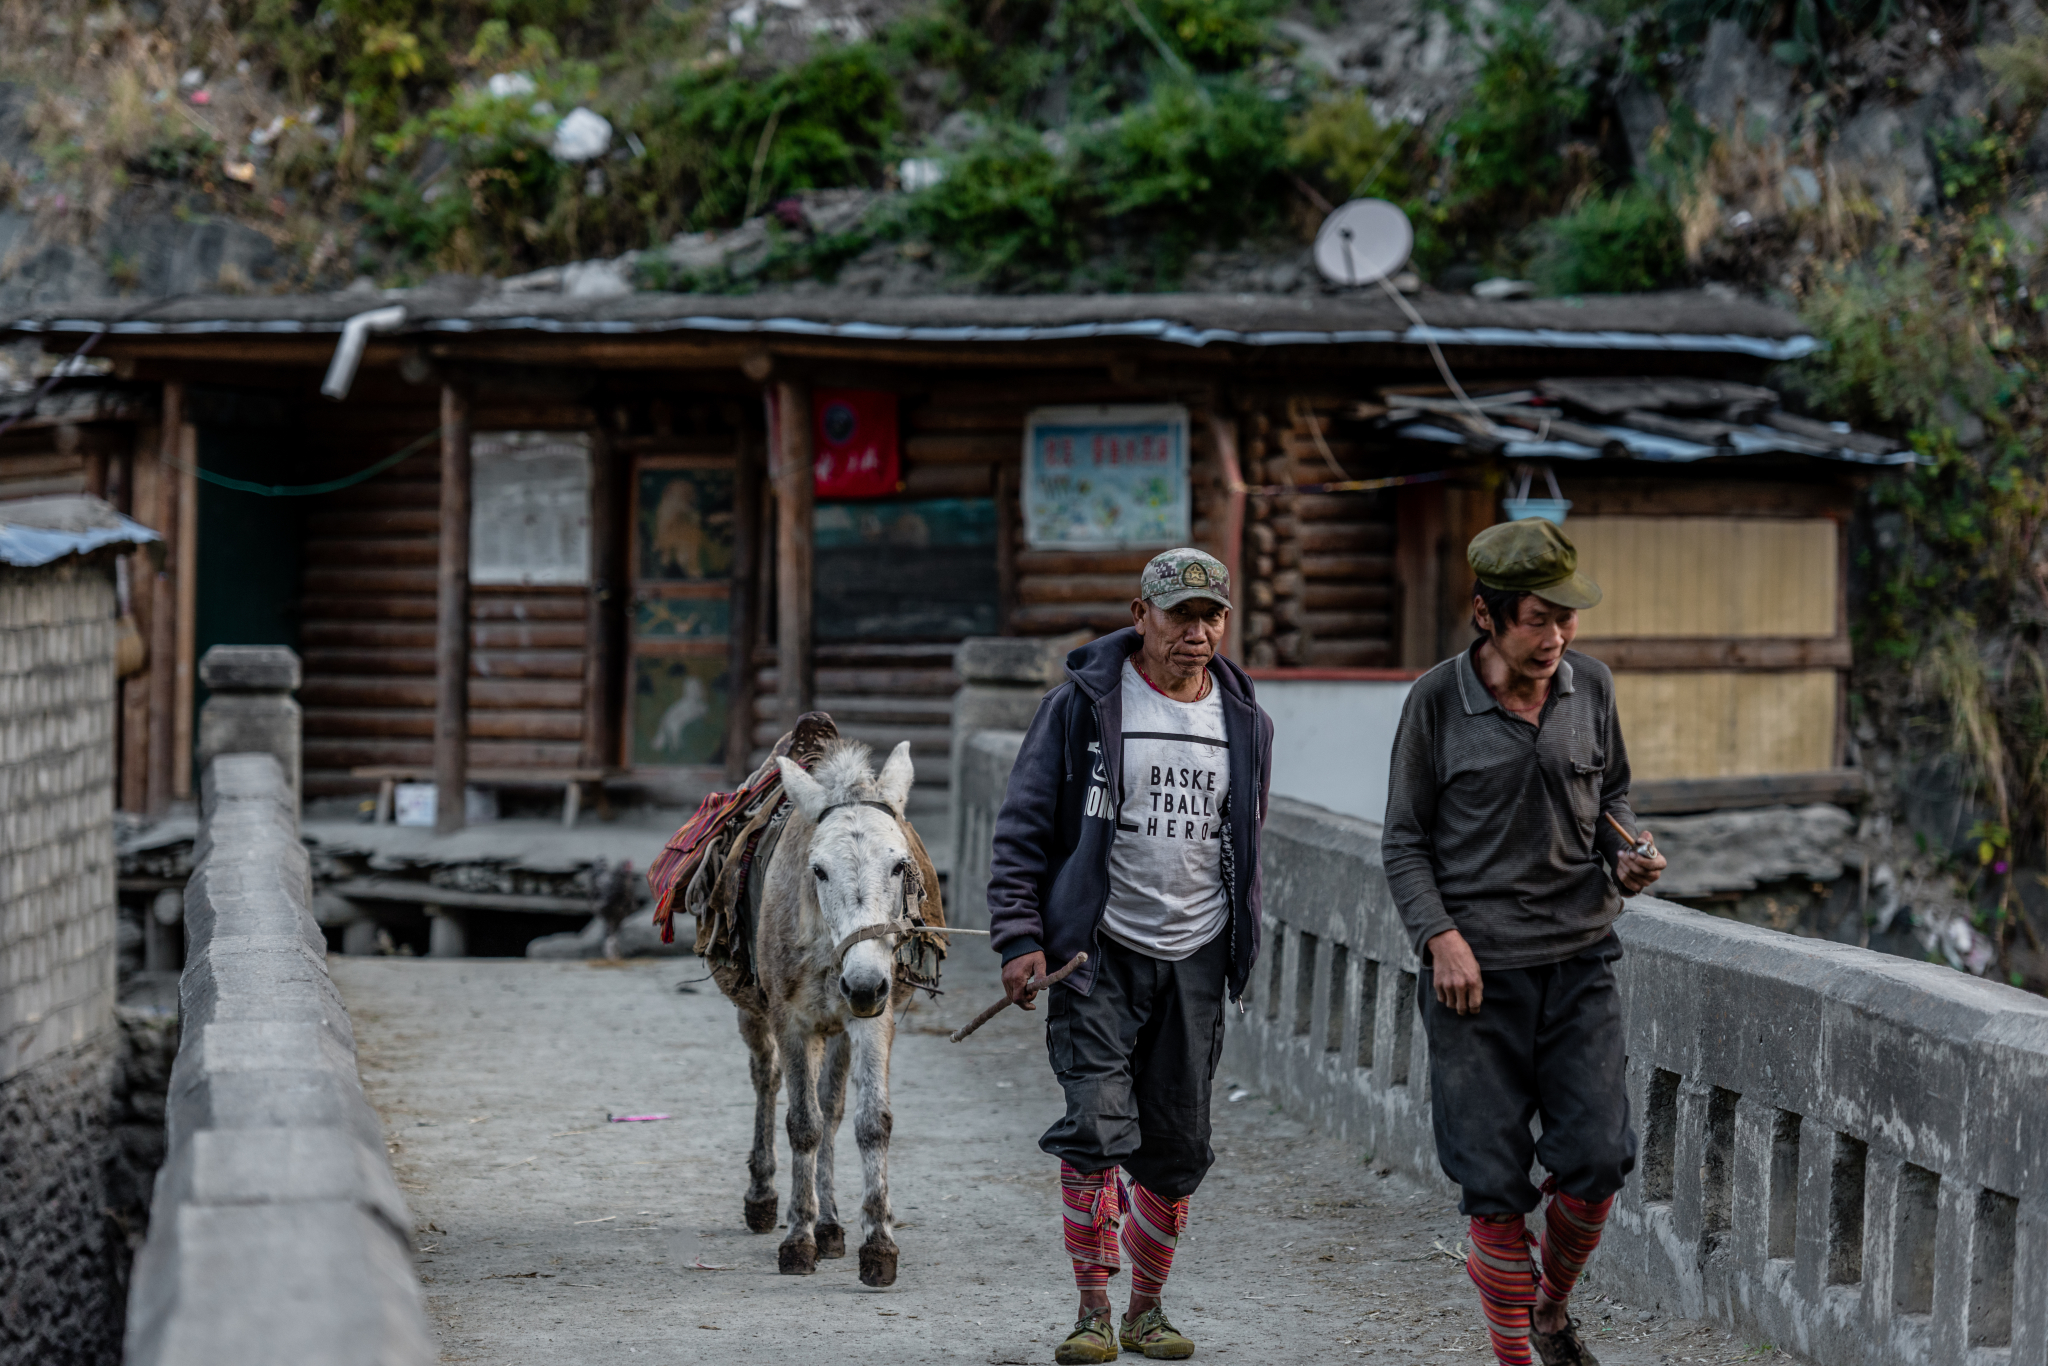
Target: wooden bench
<point>389,776</point>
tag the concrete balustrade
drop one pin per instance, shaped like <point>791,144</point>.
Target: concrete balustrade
<point>277,1232</point>
<point>1843,1153</point>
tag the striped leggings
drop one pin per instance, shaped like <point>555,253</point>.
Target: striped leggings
<point>1102,1210</point>
<point>1500,1266</point>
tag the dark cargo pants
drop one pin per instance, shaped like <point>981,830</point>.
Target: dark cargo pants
<point>1547,1041</point>
<point>1136,1057</point>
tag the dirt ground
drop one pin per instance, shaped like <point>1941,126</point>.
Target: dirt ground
<point>548,1235</point>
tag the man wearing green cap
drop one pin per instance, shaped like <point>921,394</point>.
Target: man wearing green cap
<point>1508,766</point>
<point>1130,831</point>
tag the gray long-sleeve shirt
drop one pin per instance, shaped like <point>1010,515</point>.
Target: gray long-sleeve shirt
<point>1494,826</point>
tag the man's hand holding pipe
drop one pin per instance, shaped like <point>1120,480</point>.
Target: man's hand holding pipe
<point>1456,972</point>
<point>1636,871</point>
<point>1024,968</point>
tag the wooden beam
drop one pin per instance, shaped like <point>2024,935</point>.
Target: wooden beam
<point>1843,786</point>
<point>451,635</point>
<point>188,612</point>
<point>793,502</point>
<point>748,471</point>
<point>163,607</point>
<point>1648,653</point>
<point>609,597</point>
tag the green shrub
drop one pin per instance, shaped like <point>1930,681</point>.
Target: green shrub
<point>729,141</point>
<point>1337,142</point>
<point>1192,164</point>
<point>1009,212</point>
<point>1503,145</point>
<point>1974,161</point>
<point>1193,160</point>
<point>502,201</point>
<point>1615,243</point>
<point>1218,35</point>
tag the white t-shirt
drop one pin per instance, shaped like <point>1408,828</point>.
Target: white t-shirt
<point>1166,861</point>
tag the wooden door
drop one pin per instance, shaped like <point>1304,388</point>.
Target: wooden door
<point>679,622</point>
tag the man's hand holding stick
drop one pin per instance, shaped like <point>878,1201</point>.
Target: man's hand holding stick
<point>1638,865</point>
<point>1021,987</point>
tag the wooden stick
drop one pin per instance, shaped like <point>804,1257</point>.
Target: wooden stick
<point>1636,845</point>
<point>1031,984</point>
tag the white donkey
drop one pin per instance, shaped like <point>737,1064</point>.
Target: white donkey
<point>832,907</point>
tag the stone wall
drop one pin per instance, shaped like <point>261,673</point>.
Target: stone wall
<point>61,1257</point>
<point>1843,1152</point>
<point>278,1232</point>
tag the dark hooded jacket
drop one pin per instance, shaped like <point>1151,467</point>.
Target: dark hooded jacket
<point>1049,872</point>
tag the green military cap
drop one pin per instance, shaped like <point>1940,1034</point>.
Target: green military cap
<point>1174,576</point>
<point>1532,556</point>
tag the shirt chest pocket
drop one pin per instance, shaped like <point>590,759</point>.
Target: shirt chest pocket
<point>1583,768</point>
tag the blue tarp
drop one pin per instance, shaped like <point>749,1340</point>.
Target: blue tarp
<point>25,545</point>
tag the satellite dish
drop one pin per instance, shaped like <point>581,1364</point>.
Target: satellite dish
<point>1363,241</point>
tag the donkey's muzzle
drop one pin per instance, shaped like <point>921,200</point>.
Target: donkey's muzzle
<point>866,996</point>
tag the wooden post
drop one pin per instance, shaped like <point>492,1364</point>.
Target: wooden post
<point>793,490</point>
<point>608,602</point>
<point>746,550</point>
<point>1006,546</point>
<point>451,629</point>
<point>1223,432</point>
<point>163,606</point>
<point>138,500</point>
<point>1467,512</point>
<point>1418,543</point>
<point>188,611</point>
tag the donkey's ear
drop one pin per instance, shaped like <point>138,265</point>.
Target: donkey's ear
<point>802,788</point>
<point>897,774</point>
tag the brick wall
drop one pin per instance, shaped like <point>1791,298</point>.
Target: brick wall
<point>60,1261</point>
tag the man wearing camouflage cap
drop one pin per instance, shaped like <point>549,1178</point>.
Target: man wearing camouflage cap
<point>1508,765</point>
<point>1130,831</point>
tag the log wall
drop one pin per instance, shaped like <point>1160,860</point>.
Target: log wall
<point>367,635</point>
<point>1321,576</point>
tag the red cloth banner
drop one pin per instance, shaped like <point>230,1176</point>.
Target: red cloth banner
<point>855,450</point>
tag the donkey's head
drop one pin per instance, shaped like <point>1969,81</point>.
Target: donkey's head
<point>859,858</point>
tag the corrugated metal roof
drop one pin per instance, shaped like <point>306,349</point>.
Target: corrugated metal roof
<point>1680,321</point>
<point>39,531</point>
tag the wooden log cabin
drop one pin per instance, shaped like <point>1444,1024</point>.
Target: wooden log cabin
<point>547,540</point>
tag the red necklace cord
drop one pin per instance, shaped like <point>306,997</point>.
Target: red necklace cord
<point>1207,683</point>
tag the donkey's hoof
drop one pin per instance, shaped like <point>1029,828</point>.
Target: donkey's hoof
<point>877,1265</point>
<point>761,1214</point>
<point>797,1259</point>
<point>831,1241</point>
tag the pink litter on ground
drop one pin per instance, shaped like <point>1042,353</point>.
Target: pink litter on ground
<point>633,1119</point>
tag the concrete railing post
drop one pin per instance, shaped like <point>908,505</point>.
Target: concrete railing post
<point>1002,680</point>
<point>251,710</point>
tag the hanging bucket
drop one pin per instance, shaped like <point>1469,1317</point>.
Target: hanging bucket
<point>1519,504</point>
<point>1549,509</point>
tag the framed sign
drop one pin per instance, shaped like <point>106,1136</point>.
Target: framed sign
<point>680,617</point>
<point>853,435</point>
<point>1097,478</point>
<point>529,520</point>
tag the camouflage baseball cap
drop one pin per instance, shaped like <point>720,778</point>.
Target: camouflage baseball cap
<point>1174,576</point>
<point>1532,556</point>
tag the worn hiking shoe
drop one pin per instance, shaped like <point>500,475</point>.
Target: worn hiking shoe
<point>1092,1340</point>
<point>1151,1334</point>
<point>1563,1347</point>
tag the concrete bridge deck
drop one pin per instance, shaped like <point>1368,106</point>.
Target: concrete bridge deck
<point>547,1235</point>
